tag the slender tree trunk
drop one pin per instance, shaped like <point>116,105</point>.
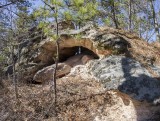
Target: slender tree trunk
<point>130,15</point>
<point>114,14</point>
<point>155,20</point>
<point>18,61</point>
<point>140,27</point>
<point>57,55</point>
<point>55,10</point>
<point>14,73</point>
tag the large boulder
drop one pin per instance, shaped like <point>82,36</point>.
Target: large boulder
<point>112,42</point>
<point>128,76</point>
<point>46,74</point>
<point>99,42</point>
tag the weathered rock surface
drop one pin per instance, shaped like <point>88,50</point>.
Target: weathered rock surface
<point>119,107</point>
<point>79,59</point>
<point>101,45</point>
<point>46,74</point>
<point>98,47</point>
<point>112,88</point>
<point>98,42</point>
<point>128,76</point>
<point>115,72</point>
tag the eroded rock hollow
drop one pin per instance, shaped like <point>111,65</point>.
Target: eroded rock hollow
<point>69,57</point>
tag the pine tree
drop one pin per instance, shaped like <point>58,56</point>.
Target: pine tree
<point>51,10</point>
<point>81,11</point>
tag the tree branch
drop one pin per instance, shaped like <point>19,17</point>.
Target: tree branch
<point>7,4</point>
<point>50,6</point>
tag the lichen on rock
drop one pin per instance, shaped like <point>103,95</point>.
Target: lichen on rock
<point>126,75</point>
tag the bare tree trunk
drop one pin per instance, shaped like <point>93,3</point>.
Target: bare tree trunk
<point>18,61</point>
<point>130,15</point>
<point>139,28</point>
<point>14,73</point>
<point>114,14</point>
<point>1,78</point>
<point>57,55</point>
<point>155,20</point>
<point>55,10</point>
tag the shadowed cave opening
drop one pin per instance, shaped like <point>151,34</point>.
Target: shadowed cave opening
<point>66,53</point>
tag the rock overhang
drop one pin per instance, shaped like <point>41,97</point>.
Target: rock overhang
<point>42,53</point>
<point>101,45</point>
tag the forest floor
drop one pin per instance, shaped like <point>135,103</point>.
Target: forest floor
<point>77,100</point>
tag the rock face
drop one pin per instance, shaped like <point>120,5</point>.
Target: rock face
<point>112,42</point>
<point>102,64</point>
<point>46,74</point>
<point>122,105</point>
<point>79,59</point>
<point>128,76</point>
<point>96,42</point>
<point>42,53</point>
<point>115,72</point>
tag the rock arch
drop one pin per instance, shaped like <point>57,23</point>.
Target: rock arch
<point>99,46</point>
<point>68,47</point>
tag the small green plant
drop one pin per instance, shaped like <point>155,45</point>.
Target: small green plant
<point>78,36</point>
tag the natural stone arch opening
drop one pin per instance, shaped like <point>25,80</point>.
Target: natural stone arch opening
<point>68,52</point>
<point>68,47</point>
<point>69,57</point>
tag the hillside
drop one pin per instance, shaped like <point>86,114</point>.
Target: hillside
<point>103,73</point>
